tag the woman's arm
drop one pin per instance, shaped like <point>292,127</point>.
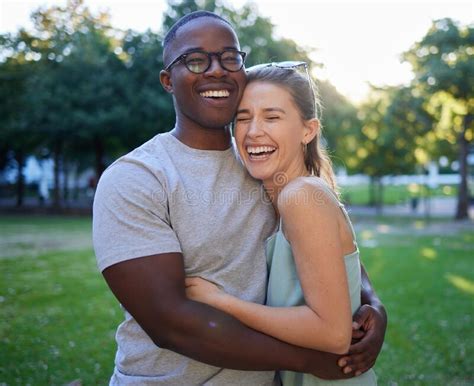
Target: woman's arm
<point>325,322</point>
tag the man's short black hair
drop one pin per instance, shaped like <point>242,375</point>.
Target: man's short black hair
<point>171,34</point>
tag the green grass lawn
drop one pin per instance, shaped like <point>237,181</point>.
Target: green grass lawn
<point>58,318</point>
<point>424,273</point>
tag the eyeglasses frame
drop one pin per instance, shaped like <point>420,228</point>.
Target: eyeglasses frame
<point>209,55</point>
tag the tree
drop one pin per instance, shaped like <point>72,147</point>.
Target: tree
<point>393,124</point>
<point>341,127</point>
<point>81,103</point>
<point>76,97</point>
<point>151,108</point>
<point>444,73</point>
<point>255,32</point>
<point>16,117</point>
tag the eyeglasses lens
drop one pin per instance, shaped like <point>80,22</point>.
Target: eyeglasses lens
<point>199,62</point>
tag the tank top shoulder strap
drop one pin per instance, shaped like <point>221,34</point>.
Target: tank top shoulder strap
<point>348,220</point>
<point>280,224</point>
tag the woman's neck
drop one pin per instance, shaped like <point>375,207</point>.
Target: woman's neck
<point>274,185</point>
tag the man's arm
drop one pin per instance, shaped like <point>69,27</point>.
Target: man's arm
<point>370,323</point>
<point>152,290</point>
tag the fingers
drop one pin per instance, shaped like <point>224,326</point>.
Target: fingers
<point>361,315</point>
<point>357,335</point>
<point>366,342</point>
<point>358,363</point>
<point>362,345</point>
<point>361,356</point>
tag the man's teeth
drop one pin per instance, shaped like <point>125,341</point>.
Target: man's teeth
<point>215,94</point>
<point>260,149</point>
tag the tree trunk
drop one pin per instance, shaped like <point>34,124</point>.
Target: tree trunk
<point>463,194</point>
<point>65,181</point>
<point>57,169</point>
<point>99,158</point>
<point>380,196</point>
<point>75,194</point>
<point>427,200</point>
<point>372,194</point>
<point>20,183</point>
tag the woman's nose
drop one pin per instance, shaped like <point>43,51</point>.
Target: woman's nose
<point>255,129</point>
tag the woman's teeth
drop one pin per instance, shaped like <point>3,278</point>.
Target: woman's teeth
<point>257,152</point>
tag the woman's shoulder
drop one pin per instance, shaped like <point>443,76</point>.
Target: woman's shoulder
<point>306,193</point>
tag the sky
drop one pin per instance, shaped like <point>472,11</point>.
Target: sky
<point>358,42</point>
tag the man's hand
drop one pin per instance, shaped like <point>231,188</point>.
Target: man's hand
<point>368,334</point>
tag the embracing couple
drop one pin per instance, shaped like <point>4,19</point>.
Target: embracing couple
<point>235,263</point>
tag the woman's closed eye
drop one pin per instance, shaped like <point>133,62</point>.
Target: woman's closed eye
<point>272,117</point>
<point>242,118</point>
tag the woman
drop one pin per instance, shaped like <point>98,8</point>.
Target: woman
<point>314,268</point>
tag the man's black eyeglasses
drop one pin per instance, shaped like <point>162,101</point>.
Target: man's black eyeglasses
<point>199,62</point>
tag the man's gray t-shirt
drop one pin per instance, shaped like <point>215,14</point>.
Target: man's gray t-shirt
<point>167,197</point>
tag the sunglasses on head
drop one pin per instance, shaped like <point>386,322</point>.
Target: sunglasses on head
<point>288,65</point>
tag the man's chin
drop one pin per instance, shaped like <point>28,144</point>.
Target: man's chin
<point>218,124</point>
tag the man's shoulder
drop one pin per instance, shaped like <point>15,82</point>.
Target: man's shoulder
<point>141,167</point>
<point>148,156</point>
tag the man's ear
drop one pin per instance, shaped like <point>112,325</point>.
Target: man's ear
<point>312,128</point>
<point>165,80</point>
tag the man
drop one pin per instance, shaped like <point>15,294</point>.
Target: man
<point>182,205</point>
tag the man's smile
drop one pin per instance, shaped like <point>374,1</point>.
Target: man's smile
<point>215,94</point>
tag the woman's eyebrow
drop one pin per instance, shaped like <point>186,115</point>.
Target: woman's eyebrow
<point>267,110</point>
<point>271,109</point>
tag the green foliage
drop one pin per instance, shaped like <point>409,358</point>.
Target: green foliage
<point>81,86</point>
<point>392,120</point>
<point>255,32</point>
<point>444,76</point>
<point>151,108</point>
<point>442,60</point>
<point>341,125</point>
<point>444,73</point>
<point>16,117</point>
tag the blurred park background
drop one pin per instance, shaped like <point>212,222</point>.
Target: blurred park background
<point>76,92</point>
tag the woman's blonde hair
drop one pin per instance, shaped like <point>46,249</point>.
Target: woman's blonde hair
<point>304,94</point>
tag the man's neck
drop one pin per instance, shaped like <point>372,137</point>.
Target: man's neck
<point>204,139</point>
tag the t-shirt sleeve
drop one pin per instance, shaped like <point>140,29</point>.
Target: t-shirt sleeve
<point>131,216</point>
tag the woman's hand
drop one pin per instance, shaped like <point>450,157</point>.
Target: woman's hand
<point>203,291</point>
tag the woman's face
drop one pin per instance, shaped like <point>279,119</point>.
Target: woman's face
<point>269,132</point>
